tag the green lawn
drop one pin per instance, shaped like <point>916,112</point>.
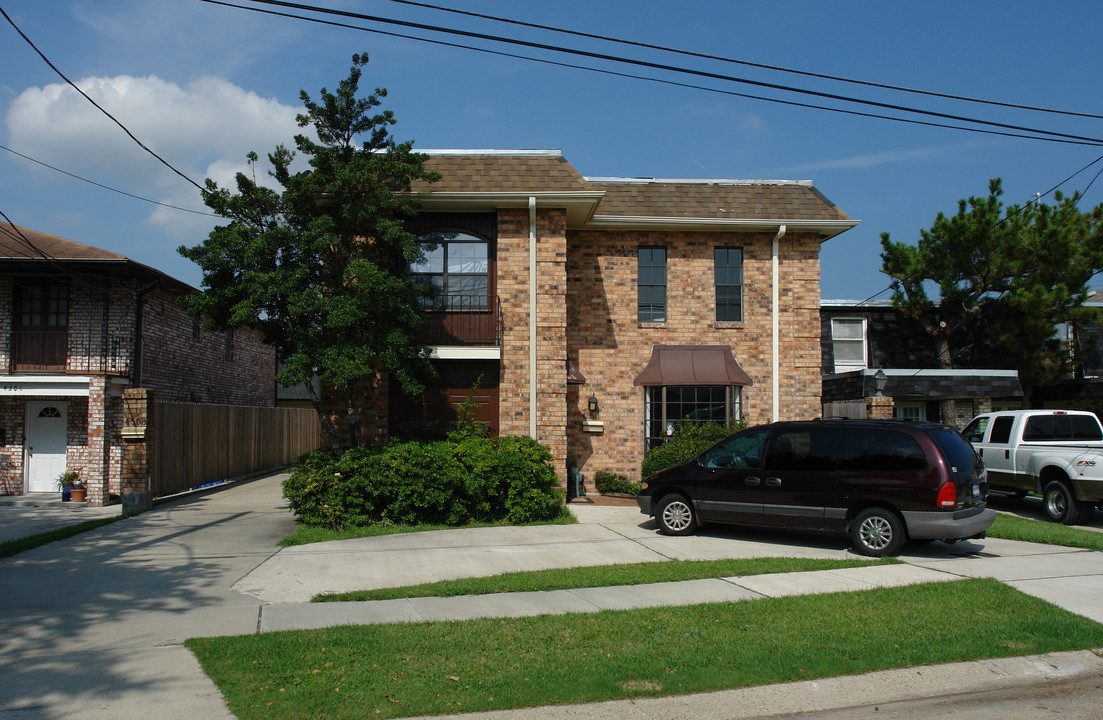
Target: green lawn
<point>1013,527</point>
<point>601,576</point>
<point>478,665</point>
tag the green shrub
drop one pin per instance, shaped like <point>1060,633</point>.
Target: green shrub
<point>607,482</point>
<point>451,482</point>
<point>688,441</point>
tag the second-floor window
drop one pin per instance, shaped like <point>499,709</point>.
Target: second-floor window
<point>729,284</point>
<point>455,268</point>
<point>848,343</point>
<point>651,283</point>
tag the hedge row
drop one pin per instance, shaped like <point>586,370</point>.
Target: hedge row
<point>451,482</point>
<point>688,441</point>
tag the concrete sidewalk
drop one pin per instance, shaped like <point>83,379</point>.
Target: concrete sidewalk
<point>90,626</point>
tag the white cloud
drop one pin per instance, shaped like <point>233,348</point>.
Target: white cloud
<point>204,129</point>
<point>869,160</point>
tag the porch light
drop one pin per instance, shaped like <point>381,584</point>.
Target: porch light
<point>879,382</point>
<point>592,403</point>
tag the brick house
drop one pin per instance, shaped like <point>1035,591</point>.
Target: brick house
<point>78,325</point>
<point>862,338</point>
<point>601,312</point>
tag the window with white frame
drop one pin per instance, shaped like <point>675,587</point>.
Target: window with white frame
<point>668,407</point>
<point>848,343</point>
<point>911,411</point>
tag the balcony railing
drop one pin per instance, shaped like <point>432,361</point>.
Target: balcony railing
<point>39,350</point>
<point>457,320</point>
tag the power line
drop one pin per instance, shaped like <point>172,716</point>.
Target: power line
<point>657,66</point>
<point>730,93</point>
<point>747,63</point>
<point>105,187</point>
<point>95,104</point>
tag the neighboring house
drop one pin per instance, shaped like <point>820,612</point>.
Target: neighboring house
<point>1084,390</point>
<point>862,338</point>
<point>78,325</point>
<point>596,314</point>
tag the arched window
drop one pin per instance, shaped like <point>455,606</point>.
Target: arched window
<point>49,412</point>
<point>455,266</point>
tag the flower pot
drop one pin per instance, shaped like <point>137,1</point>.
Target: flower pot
<point>79,494</point>
<point>66,495</point>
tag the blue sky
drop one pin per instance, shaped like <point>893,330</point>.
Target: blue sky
<point>203,85</point>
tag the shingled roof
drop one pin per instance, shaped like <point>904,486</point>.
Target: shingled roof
<point>24,248</point>
<point>714,199</point>
<point>486,179</point>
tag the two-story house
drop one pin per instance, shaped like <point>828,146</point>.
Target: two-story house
<point>598,314</point>
<point>870,350</point>
<point>78,325</point>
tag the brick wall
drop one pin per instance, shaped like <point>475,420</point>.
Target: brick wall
<point>551,328</point>
<point>184,366</point>
<point>611,347</point>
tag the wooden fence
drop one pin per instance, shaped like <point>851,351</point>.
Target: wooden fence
<point>194,445</point>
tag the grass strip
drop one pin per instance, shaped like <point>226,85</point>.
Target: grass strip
<point>1013,527</point>
<point>305,534</point>
<point>600,576</point>
<point>14,547</point>
<point>489,664</point>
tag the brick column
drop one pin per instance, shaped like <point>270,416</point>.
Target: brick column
<point>97,473</point>
<point>879,407</point>
<point>137,437</point>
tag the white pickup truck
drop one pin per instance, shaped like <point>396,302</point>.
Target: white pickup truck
<point>1055,453</point>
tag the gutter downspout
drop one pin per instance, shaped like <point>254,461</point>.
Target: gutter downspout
<point>775,321</point>
<point>532,317</point>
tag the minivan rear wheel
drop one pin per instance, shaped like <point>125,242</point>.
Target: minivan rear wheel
<point>675,516</point>
<point>877,532</point>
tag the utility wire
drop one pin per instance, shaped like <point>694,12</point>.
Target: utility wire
<point>747,63</point>
<point>94,103</point>
<point>730,93</point>
<point>663,67</point>
<point>105,187</point>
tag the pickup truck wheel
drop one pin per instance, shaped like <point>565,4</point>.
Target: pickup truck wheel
<point>877,532</point>
<point>1061,505</point>
<point>675,516</point>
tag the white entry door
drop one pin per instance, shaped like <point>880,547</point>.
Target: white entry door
<point>47,436</point>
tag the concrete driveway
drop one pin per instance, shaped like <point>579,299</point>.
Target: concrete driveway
<point>90,627</point>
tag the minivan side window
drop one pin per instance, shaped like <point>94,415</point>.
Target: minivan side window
<point>805,449</point>
<point>880,451</point>
<point>742,450</point>
<point>1001,430</point>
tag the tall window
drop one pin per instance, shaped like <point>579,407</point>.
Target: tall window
<point>41,329</point>
<point>667,407</point>
<point>456,268</point>
<point>651,283</point>
<point>729,284</point>
<point>848,343</point>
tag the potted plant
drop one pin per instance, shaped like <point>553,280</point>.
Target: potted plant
<point>71,486</point>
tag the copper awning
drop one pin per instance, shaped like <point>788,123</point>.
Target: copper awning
<point>693,365</point>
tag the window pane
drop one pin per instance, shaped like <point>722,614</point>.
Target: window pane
<point>431,260</point>
<point>467,258</point>
<point>847,329</point>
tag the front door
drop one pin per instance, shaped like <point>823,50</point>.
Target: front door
<point>47,435</point>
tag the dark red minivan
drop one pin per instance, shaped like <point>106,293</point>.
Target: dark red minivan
<point>880,481</point>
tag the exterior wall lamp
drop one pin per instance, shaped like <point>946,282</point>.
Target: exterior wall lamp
<point>592,404</point>
<point>879,382</point>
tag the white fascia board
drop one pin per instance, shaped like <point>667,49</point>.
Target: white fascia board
<point>975,372</point>
<point>46,385</point>
<point>453,352</point>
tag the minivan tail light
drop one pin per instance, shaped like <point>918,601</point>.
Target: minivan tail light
<point>947,495</point>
